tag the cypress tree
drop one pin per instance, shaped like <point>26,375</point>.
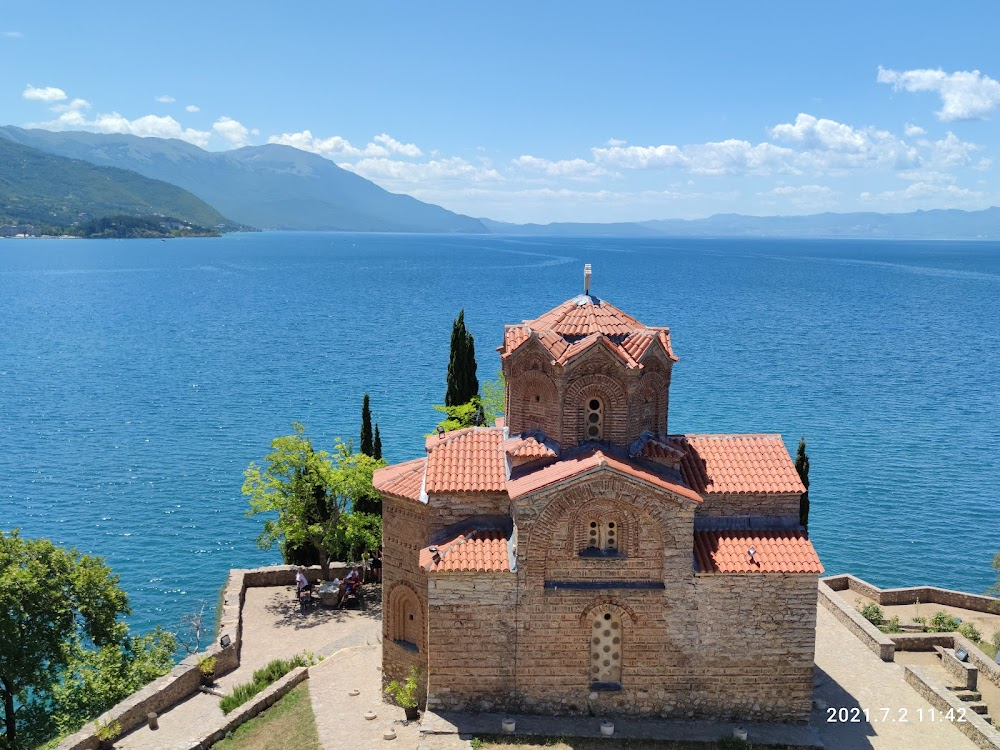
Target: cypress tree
<point>802,467</point>
<point>463,385</point>
<point>377,454</point>
<point>366,428</point>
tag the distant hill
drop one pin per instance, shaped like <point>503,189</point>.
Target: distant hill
<point>269,187</point>
<point>41,188</point>
<point>941,224</point>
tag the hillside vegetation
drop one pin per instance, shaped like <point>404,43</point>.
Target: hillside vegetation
<point>41,188</point>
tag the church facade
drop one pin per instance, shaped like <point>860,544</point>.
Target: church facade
<point>578,557</point>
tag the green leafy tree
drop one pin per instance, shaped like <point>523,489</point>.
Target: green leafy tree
<point>802,467</point>
<point>367,444</point>
<point>59,625</point>
<point>494,398</point>
<point>377,447</point>
<point>463,385</point>
<point>359,533</point>
<point>309,492</point>
<point>461,416</point>
<point>995,590</point>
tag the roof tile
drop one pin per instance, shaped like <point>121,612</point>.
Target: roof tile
<point>475,550</point>
<point>469,460</point>
<point>774,552</point>
<point>402,480</point>
<point>590,459</point>
<point>738,464</point>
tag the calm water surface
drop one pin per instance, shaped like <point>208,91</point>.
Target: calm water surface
<point>139,378</point>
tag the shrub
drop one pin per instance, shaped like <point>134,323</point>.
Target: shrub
<point>108,731</point>
<point>942,622</point>
<point>892,626</point>
<point>872,612</point>
<point>266,675</point>
<point>920,620</point>
<point>206,665</point>
<point>996,640</point>
<point>970,631</point>
<point>405,694</point>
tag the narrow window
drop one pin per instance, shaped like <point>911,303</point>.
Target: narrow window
<point>594,538</point>
<point>595,419</point>
<point>606,649</point>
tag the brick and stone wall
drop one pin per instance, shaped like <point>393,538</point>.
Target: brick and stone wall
<point>471,640</point>
<point>729,504</point>
<point>914,594</point>
<point>404,532</point>
<point>756,645</point>
<point>445,510</point>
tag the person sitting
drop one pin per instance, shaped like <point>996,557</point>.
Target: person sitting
<point>350,586</point>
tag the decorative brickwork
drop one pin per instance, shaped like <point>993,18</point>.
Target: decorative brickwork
<point>557,574</point>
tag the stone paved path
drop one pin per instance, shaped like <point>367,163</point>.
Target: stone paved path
<point>340,716</point>
<point>850,676</point>
<point>273,628</point>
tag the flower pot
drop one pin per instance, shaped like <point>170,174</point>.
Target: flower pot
<point>411,713</point>
<point>207,678</point>
<point>105,744</point>
<point>607,728</point>
<point>508,726</point>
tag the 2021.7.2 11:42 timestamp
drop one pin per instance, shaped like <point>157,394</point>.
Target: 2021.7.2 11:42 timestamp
<point>857,715</point>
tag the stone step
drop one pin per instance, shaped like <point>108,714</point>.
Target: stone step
<point>968,695</point>
<point>980,708</point>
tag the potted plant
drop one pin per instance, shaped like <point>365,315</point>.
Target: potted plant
<point>206,665</point>
<point>107,733</point>
<point>405,694</point>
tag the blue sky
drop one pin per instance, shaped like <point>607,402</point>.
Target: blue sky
<point>568,111</point>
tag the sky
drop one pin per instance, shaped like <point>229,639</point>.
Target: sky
<point>547,111</point>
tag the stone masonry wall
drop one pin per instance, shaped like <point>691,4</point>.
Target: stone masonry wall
<point>757,645</point>
<point>446,510</point>
<point>404,533</point>
<point>728,504</point>
<point>471,641</point>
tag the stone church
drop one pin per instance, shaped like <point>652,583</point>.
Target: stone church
<point>578,557</point>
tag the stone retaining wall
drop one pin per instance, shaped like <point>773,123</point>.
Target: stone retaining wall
<point>923,594</point>
<point>263,700</point>
<point>184,679</point>
<point>974,727</point>
<point>883,646</point>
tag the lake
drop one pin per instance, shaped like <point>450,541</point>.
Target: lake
<point>139,378</point>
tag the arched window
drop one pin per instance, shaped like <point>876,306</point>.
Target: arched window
<point>606,648</point>
<point>594,419</point>
<point>404,620</point>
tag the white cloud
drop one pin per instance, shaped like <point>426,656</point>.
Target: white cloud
<point>395,147</point>
<point>965,95</point>
<point>336,147</point>
<point>912,131</point>
<point>384,170</point>
<point>805,196</point>
<point>639,157</point>
<point>570,168</point>
<point>233,132</point>
<point>933,193</point>
<point>193,108</point>
<point>47,94</point>
<point>615,142</point>
<point>165,99</point>
<point>12,34</point>
<point>72,117</point>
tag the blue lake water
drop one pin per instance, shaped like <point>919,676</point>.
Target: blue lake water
<point>139,378</point>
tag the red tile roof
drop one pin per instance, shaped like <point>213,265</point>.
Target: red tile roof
<point>774,552</point>
<point>468,460</point>
<point>665,449</point>
<point>591,460</point>
<point>578,324</point>
<point>738,464</point>
<point>402,480</point>
<point>530,448</point>
<point>475,550</point>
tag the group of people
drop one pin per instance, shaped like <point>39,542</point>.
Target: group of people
<point>350,585</point>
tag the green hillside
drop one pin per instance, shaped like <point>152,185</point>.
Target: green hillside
<point>41,188</point>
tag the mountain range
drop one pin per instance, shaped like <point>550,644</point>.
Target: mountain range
<point>268,187</point>
<point>41,188</point>
<point>280,187</point>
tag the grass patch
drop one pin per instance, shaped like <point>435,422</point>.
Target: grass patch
<point>989,648</point>
<point>504,742</point>
<point>266,675</point>
<point>289,723</point>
